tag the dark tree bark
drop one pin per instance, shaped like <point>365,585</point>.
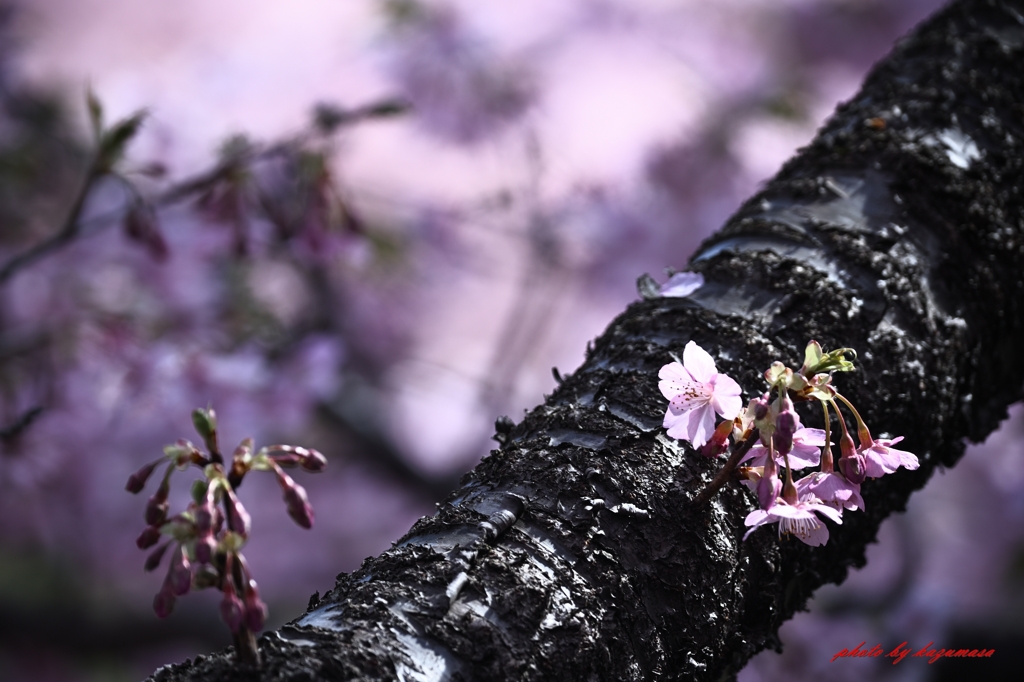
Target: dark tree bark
<point>571,553</point>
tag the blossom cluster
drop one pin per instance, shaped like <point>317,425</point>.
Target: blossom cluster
<point>207,538</point>
<point>768,438</point>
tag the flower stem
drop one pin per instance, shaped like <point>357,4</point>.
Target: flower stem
<point>245,647</point>
<point>726,471</point>
<point>862,429</point>
<point>827,465</point>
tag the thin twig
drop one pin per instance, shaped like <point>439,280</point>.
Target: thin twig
<point>181,190</point>
<point>726,472</point>
<point>66,233</point>
<point>13,429</point>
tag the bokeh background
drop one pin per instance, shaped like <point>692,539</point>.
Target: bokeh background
<point>372,227</point>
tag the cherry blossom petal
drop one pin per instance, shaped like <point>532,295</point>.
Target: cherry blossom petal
<point>699,363</point>
<point>673,418</point>
<point>757,455</point>
<point>806,450</point>
<point>792,511</point>
<point>696,397</point>
<point>832,489</point>
<point>879,460</point>
<point>813,533</point>
<point>701,424</point>
<point>674,379</point>
<point>807,436</point>
<point>726,396</point>
<point>830,512</point>
<point>682,284</point>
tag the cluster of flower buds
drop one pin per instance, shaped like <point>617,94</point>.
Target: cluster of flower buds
<point>207,538</point>
<point>768,438</point>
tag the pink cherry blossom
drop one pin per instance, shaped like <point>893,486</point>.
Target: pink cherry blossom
<point>881,459</point>
<point>796,519</point>
<point>806,452</point>
<point>696,391</point>
<point>832,488</point>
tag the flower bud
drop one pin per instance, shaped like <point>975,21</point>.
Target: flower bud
<point>198,490</point>
<point>205,422</point>
<point>719,441</point>
<point>852,463</point>
<point>853,468</point>
<point>179,574</point>
<point>153,560</point>
<point>769,485</point>
<point>241,461</point>
<point>298,505</point>
<point>204,547</point>
<point>761,407</point>
<point>314,461</point>
<point>204,519</point>
<point>238,518</point>
<point>163,602</point>
<point>156,511</point>
<point>231,608</point>
<point>181,453</point>
<point>768,489</point>
<point>255,609</point>
<point>206,576</point>
<point>156,507</point>
<point>137,481</point>
<point>786,424</point>
<point>149,537</point>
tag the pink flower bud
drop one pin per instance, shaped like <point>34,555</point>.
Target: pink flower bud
<point>719,442</point>
<point>314,461</point>
<point>244,450</point>
<point>149,537</point>
<point>153,560</point>
<point>851,463</point>
<point>298,505</point>
<point>204,548</point>
<point>204,519</point>
<point>238,518</point>
<point>156,508</point>
<point>786,424</point>
<point>137,481</point>
<point>231,608</point>
<point>156,511</point>
<point>761,407</point>
<point>255,609</point>
<point>163,602</point>
<point>179,575</point>
<point>853,468</point>
<point>768,488</point>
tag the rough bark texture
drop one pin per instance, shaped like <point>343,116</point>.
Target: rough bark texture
<point>571,553</point>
